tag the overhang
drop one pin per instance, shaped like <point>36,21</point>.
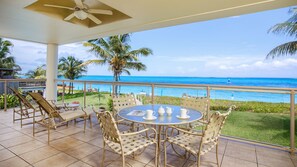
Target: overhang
<point>19,23</point>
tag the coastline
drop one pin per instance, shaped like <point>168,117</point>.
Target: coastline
<point>214,94</point>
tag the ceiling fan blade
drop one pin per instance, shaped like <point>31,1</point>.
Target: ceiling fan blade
<point>57,6</point>
<point>79,3</point>
<point>100,11</point>
<point>69,17</point>
<point>94,19</point>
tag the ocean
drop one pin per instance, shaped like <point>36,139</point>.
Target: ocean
<point>215,94</point>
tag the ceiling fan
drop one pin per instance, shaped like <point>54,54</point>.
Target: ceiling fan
<point>82,11</point>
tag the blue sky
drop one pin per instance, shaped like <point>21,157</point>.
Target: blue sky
<point>228,47</point>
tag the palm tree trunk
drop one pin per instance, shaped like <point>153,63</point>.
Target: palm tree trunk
<point>69,88</point>
<point>72,87</point>
<point>116,79</point>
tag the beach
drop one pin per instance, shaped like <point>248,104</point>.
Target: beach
<point>214,94</point>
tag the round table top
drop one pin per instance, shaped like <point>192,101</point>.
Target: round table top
<point>138,113</point>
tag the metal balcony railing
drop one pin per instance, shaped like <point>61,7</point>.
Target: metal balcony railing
<point>291,92</point>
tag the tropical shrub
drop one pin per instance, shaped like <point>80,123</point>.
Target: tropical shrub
<point>12,101</point>
<point>109,105</point>
<point>223,105</point>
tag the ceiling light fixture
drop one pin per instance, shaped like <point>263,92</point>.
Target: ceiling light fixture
<point>80,14</point>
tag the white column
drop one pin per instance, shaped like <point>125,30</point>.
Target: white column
<point>51,71</point>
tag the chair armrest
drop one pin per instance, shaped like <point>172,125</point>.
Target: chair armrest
<point>199,123</point>
<point>119,121</point>
<point>183,131</point>
<point>141,131</point>
<point>202,121</point>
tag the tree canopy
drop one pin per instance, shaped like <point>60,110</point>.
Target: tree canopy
<point>116,52</point>
<point>287,28</point>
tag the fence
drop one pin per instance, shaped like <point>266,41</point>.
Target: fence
<point>152,87</point>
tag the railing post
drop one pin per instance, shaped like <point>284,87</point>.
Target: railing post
<point>85,94</point>
<point>113,89</point>
<point>208,101</point>
<point>5,95</point>
<point>153,93</point>
<point>292,122</point>
<point>63,92</point>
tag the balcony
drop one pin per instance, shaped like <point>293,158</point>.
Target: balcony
<point>250,138</point>
<point>70,146</point>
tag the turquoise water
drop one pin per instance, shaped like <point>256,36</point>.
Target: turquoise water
<point>215,94</point>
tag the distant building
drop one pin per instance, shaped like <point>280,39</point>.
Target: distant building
<point>7,73</point>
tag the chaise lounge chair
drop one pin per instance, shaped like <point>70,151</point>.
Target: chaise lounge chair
<point>53,115</point>
<point>25,110</point>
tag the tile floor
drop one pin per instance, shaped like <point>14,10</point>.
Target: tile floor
<point>70,146</point>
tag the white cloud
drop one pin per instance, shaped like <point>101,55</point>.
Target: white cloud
<point>30,55</point>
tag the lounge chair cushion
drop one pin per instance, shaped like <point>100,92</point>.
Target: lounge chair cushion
<point>70,115</point>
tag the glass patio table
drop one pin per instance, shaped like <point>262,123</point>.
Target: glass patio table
<point>138,114</point>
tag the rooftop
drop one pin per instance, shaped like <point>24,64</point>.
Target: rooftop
<point>70,146</point>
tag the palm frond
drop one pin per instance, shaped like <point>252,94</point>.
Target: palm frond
<point>71,68</point>
<point>126,71</point>
<point>141,52</point>
<point>136,66</point>
<point>286,28</point>
<point>98,51</point>
<point>96,61</point>
<point>289,48</point>
<point>293,18</point>
<point>125,38</point>
<point>115,51</point>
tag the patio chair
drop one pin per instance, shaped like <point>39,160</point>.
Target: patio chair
<point>53,114</point>
<point>198,144</point>
<point>123,143</point>
<point>120,102</point>
<point>196,103</point>
<point>25,110</point>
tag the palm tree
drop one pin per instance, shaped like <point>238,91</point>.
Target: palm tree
<point>116,52</point>
<point>5,60</point>
<point>71,68</point>
<point>38,73</point>
<point>288,28</point>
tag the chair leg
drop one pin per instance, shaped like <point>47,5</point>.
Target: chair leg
<point>156,154</point>
<point>13,117</point>
<point>123,158</point>
<point>85,124</point>
<point>90,119</point>
<point>48,134</point>
<point>165,155</point>
<point>217,156</point>
<point>34,123</point>
<point>21,120</point>
<point>198,160</point>
<point>103,156</point>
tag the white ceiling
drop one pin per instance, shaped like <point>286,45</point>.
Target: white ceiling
<point>19,23</point>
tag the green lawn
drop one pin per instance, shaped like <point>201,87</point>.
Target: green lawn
<point>264,122</point>
<point>92,98</point>
<point>264,127</point>
<point>259,121</point>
